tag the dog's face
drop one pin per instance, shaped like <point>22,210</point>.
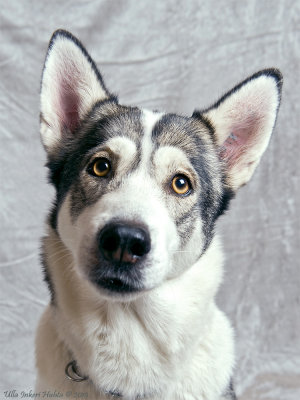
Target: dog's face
<point>138,192</point>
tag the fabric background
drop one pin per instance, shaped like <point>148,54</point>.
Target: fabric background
<point>175,56</point>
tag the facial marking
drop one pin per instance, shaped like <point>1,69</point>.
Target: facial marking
<point>124,150</point>
<point>150,120</point>
<point>170,161</point>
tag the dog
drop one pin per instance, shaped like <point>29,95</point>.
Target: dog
<point>130,256</point>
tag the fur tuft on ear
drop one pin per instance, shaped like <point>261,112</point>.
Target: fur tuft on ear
<point>71,85</point>
<point>243,120</point>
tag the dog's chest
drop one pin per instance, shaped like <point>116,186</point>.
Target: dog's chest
<point>127,357</point>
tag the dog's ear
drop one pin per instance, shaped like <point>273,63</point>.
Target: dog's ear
<point>243,120</point>
<point>71,85</point>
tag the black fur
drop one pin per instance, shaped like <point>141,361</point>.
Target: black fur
<point>228,194</point>
<point>197,115</point>
<point>47,275</point>
<point>230,393</point>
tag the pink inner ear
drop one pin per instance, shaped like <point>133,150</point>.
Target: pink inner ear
<point>230,149</point>
<point>242,136</point>
<point>68,104</point>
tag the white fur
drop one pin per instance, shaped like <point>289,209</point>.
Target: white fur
<point>172,342</point>
<point>149,119</point>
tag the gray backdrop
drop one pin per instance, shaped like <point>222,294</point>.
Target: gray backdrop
<point>175,56</point>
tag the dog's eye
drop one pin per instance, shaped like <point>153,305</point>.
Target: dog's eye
<point>100,167</point>
<point>181,185</point>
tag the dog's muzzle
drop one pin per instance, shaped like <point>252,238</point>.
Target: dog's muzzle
<point>122,250</point>
<point>124,243</point>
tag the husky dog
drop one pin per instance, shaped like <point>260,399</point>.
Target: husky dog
<point>130,256</point>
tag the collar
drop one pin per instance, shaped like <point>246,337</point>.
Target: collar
<point>73,373</point>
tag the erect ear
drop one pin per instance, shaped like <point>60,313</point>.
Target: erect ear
<point>71,85</point>
<point>243,120</point>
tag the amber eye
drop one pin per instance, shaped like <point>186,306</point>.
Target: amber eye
<point>181,184</point>
<point>100,167</point>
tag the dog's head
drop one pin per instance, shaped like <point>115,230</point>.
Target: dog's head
<point>138,192</point>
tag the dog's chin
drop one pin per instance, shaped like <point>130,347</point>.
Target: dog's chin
<point>113,288</point>
<point>118,286</point>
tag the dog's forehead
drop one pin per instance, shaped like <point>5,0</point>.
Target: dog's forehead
<point>124,122</point>
<point>188,134</point>
<point>150,130</point>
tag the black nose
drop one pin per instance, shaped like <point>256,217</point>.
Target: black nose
<point>124,243</point>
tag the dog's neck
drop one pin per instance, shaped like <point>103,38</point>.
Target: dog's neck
<point>94,328</point>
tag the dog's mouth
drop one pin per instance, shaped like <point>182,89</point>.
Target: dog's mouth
<point>117,285</point>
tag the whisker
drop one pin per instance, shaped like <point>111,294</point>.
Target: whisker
<point>183,251</point>
<point>58,252</point>
<point>54,256</point>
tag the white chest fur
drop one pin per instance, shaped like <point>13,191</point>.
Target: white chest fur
<point>172,343</point>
